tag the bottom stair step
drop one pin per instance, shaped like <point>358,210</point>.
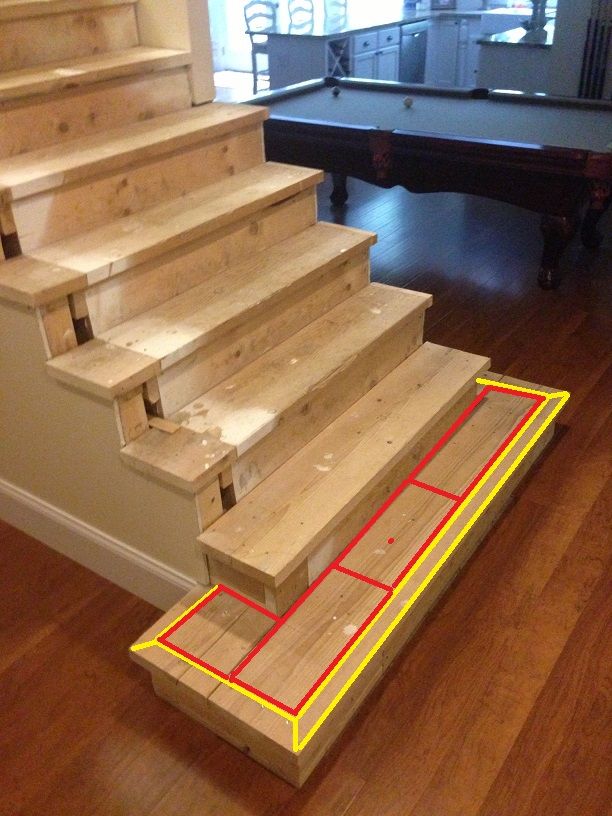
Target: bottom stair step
<point>283,688</point>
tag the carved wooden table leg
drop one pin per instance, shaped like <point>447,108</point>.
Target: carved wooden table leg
<point>339,194</point>
<point>558,231</point>
<point>599,201</point>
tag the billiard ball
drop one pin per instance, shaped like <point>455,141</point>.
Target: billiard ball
<point>408,100</point>
<point>336,91</point>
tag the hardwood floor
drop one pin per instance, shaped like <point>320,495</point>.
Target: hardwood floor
<point>501,706</point>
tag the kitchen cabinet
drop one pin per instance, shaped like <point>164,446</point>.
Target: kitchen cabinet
<point>375,54</point>
<point>369,54</point>
<point>387,64</point>
<point>364,66</point>
<point>468,51</point>
<point>452,52</point>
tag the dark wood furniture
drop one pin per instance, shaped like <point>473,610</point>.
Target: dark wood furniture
<point>546,154</point>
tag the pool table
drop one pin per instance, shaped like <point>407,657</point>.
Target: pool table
<point>551,155</point>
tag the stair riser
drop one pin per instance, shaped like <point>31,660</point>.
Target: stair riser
<point>278,599</point>
<point>53,215</point>
<point>43,81</point>
<point>226,355</point>
<point>315,411</point>
<point>224,574</point>
<point>38,40</point>
<point>135,291</point>
<point>60,117</point>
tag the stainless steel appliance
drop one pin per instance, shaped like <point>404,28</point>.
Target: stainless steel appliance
<point>413,51</point>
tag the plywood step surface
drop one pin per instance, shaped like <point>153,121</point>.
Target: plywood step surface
<point>72,73</point>
<point>122,244</point>
<point>284,687</point>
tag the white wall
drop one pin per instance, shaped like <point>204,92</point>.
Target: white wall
<point>59,460</point>
<point>218,33</point>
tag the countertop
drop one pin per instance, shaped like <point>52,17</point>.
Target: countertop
<point>537,38</point>
<point>358,19</point>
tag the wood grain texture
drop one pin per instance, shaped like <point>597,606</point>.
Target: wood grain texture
<point>22,9</point>
<point>32,41</point>
<point>29,282</point>
<point>126,242</point>
<point>506,685</point>
<point>52,167</point>
<point>270,531</point>
<point>67,74</point>
<point>90,109</point>
<point>255,400</point>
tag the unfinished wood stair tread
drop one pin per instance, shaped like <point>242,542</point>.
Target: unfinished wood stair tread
<point>187,460</point>
<point>20,9</point>
<point>122,244</point>
<point>103,370</point>
<point>64,74</point>
<point>230,297</point>
<point>285,694</point>
<point>33,283</point>
<point>280,383</point>
<point>68,162</point>
<point>284,519</point>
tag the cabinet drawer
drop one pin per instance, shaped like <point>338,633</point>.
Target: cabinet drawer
<point>388,36</point>
<point>364,42</point>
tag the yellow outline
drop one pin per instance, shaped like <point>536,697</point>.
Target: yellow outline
<point>297,744</point>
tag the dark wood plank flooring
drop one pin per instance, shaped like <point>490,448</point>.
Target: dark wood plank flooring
<point>501,706</point>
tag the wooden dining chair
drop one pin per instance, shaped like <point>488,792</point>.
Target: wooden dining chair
<point>301,16</point>
<point>260,18</point>
<point>335,13</point>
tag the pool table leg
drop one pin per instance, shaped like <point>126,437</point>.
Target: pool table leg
<point>599,201</point>
<point>558,231</point>
<point>339,195</point>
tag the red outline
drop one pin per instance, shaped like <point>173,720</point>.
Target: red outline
<point>337,566</point>
<point>361,577</point>
<point>438,490</point>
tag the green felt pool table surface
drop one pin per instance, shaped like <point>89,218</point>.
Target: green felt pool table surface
<point>550,155</point>
<point>492,119</point>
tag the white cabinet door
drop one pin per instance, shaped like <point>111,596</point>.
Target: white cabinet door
<point>442,47</point>
<point>364,66</point>
<point>387,63</point>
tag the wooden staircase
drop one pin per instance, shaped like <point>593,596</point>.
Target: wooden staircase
<point>340,469</point>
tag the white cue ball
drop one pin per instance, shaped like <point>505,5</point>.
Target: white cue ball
<point>408,100</point>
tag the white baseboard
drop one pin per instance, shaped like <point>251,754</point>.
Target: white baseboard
<point>115,560</point>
